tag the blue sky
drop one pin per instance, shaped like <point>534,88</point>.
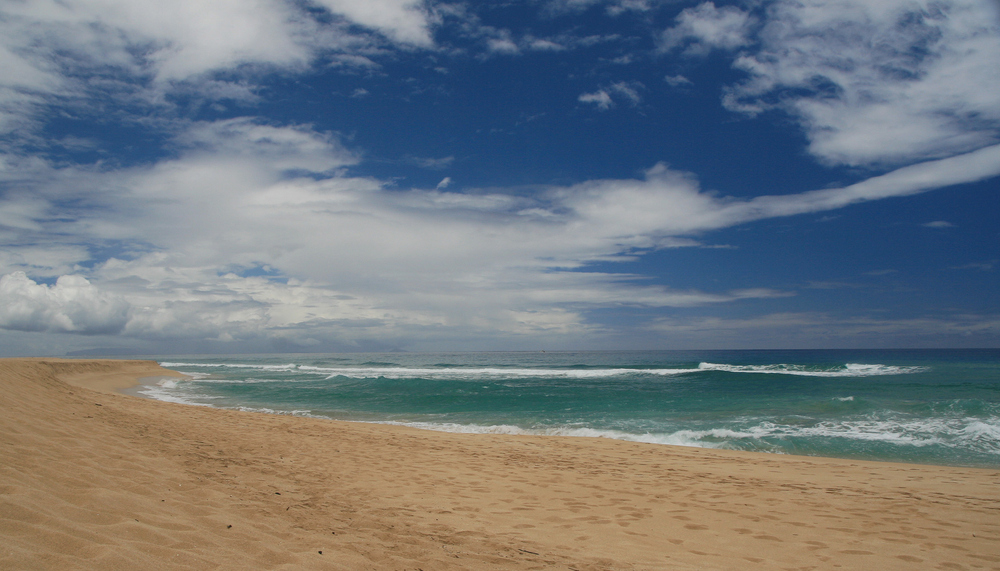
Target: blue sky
<point>338,175</point>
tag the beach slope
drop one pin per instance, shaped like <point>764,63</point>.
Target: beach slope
<point>94,479</point>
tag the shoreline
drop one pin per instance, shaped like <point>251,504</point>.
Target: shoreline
<point>948,453</point>
<point>140,383</point>
<point>93,479</point>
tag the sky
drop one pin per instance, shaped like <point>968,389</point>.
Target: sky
<point>244,176</point>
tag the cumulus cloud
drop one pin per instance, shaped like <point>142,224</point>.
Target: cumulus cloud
<point>705,28</point>
<point>143,49</point>
<point>72,305</point>
<point>878,83</point>
<point>353,258</point>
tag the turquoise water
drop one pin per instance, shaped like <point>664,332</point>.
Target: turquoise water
<point>926,406</point>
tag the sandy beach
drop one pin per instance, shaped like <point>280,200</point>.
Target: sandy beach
<point>94,479</point>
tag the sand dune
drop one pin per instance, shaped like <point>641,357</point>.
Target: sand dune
<point>100,480</point>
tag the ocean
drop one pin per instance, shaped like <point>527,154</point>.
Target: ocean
<point>921,406</point>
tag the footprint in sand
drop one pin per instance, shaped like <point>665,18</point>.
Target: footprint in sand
<point>857,552</point>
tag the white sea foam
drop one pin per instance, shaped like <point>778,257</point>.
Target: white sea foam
<point>676,439</point>
<point>967,434</point>
<point>437,373</point>
<point>265,410</point>
<point>168,390</point>
<point>399,372</point>
<point>288,367</point>
<point>848,370</point>
<point>176,390</point>
<point>483,372</point>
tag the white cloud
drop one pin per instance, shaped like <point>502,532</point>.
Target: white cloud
<point>404,21</point>
<point>502,45</point>
<point>613,7</point>
<point>545,45</point>
<point>72,305</point>
<point>622,6</point>
<point>139,51</point>
<point>357,259</point>
<point>432,163</point>
<point>629,91</point>
<point>984,266</point>
<point>888,82</point>
<point>939,224</point>
<point>970,167</point>
<point>677,80</point>
<point>353,257</point>
<point>462,19</point>
<point>599,98</point>
<point>296,147</point>
<point>174,40</point>
<point>41,258</point>
<point>706,28</point>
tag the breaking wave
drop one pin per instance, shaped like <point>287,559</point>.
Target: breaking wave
<point>848,370</point>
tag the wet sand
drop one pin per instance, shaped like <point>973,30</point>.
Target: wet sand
<point>94,479</point>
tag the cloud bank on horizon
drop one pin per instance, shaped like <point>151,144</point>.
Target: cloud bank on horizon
<point>400,174</point>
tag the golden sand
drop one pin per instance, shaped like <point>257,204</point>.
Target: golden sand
<point>101,480</point>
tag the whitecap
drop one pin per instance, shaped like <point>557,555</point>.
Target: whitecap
<point>287,367</point>
<point>483,373</point>
<point>848,370</point>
